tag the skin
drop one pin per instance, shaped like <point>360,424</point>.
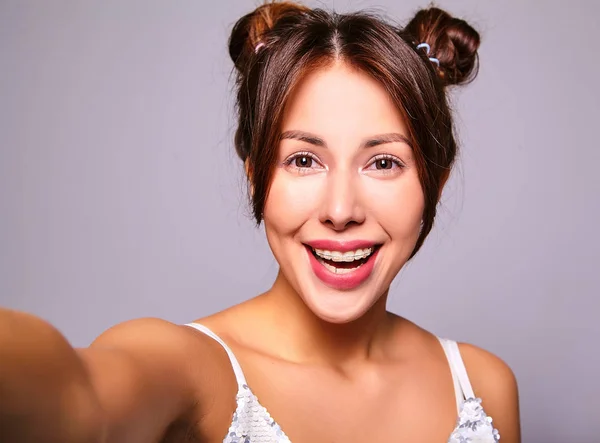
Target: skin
<point>339,367</point>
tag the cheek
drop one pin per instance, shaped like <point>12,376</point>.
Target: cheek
<point>292,200</point>
<point>397,205</point>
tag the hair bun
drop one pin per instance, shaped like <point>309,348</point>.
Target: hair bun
<point>453,42</point>
<point>248,32</point>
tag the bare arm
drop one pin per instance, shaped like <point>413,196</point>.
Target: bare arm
<point>141,372</point>
<point>494,382</point>
<point>128,386</point>
<point>45,391</point>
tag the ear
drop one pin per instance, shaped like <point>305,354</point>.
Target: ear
<point>249,176</point>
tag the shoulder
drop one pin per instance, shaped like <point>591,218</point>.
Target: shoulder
<point>173,355</point>
<point>495,383</point>
<point>157,336</point>
<point>487,372</point>
<point>152,334</point>
<point>160,340</point>
<point>140,330</point>
<point>167,344</point>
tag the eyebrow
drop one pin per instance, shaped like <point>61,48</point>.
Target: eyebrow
<point>380,139</point>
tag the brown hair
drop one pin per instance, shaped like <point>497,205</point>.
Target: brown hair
<point>275,45</point>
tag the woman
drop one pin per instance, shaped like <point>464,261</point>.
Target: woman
<point>347,140</point>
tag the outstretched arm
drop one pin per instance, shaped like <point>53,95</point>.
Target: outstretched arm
<point>129,386</point>
<point>45,390</point>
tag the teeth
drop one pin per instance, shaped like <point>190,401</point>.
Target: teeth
<point>338,270</point>
<point>349,256</point>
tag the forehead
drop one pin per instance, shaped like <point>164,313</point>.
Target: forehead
<point>341,99</point>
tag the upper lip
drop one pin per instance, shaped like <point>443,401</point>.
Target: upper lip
<point>341,246</point>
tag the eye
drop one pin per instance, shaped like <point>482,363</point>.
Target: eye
<point>385,163</point>
<point>303,162</point>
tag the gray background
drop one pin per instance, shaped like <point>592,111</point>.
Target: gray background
<point>121,196</point>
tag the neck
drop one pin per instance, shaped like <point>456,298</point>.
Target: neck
<point>304,337</point>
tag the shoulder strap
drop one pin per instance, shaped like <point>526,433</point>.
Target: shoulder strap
<point>237,369</point>
<point>458,367</point>
<point>458,392</point>
<point>462,385</point>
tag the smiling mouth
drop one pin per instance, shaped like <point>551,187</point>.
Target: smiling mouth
<point>343,262</point>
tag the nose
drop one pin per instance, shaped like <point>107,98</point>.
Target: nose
<point>341,207</point>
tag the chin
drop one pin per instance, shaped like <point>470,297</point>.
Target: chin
<point>339,307</point>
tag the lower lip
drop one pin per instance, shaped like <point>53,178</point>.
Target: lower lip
<point>349,280</point>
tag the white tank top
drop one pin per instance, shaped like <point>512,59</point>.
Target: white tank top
<point>252,423</point>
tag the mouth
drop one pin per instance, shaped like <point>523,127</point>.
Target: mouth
<point>343,269</point>
<point>340,263</point>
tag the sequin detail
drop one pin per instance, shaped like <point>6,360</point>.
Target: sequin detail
<point>252,423</point>
<point>474,425</point>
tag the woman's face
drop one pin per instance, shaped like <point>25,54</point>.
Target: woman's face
<point>344,210</point>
